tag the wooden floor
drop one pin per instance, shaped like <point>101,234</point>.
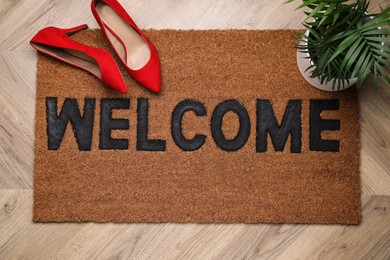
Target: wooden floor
<point>20,238</point>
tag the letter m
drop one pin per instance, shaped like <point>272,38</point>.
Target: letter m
<point>267,123</point>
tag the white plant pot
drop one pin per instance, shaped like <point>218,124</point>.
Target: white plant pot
<point>304,62</point>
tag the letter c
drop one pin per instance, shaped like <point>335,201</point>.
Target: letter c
<point>177,129</point>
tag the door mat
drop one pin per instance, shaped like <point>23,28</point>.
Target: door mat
<point>236,135</point>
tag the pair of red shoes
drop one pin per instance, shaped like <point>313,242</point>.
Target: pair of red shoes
<point>136,52</point>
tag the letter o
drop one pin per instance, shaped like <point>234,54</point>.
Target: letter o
<point>216,125</point>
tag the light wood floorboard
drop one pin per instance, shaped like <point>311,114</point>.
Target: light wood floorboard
<point>20,238</point>
<point>23,240</point>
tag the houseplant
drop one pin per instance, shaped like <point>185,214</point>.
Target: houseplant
<point>343,43</point>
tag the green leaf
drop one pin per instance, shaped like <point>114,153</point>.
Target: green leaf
<point>335,17</point>
<point>307,3</point>
<point>339,36</point>
<point>380,46</point>
<point>316,10</point>
<point>378,39</point>
<point>375,22</point>
<point>345,44</point>
<point>365,65</point>
<point>375,75</point>
<point>366,70</point>
<point>358,65</point>
<point>384,74</point>
<point>381,53</point>
<point>313,32</point>
<point>351,55</point>
<point>344,21</point>
<point>377,32</point>
<point>382,61</point>
<point>327,13</point>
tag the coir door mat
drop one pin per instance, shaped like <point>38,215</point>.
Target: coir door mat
<point>236,135</point>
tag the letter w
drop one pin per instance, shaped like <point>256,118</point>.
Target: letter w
<point>82,125</point>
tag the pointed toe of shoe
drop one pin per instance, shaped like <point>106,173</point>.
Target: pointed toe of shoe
<point>121,88</point>
<point>149,77</point>
<point>117,84</point>
<point>154,86</point>
<point>114,80</point>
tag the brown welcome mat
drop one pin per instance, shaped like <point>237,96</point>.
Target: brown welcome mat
<point>236,135</point>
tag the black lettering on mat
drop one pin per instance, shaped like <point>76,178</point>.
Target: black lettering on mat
<point>317,124</point>
<point>176,125</point>
<point>267,123</point>
<point>143,143</point>
<point>216,125</point>
<point>107,123</point>
<point>82,125</point>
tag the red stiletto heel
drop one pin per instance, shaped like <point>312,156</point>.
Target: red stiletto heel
<point>56,43</point>
<point>134,49</point>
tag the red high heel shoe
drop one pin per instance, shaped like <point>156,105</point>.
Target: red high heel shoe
<point>136,52</point>
<point>55,42</point>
